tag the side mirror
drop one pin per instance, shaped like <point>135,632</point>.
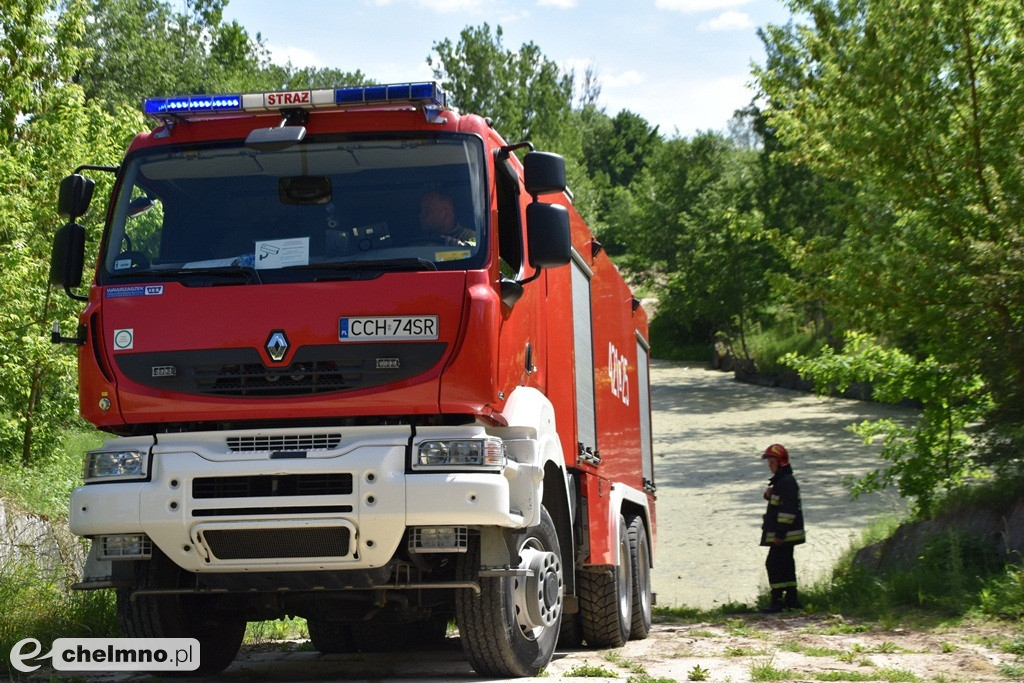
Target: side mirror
<point>544,173</point>
<point>68,256</point>
<point>547,235</point>
<point>75,195</point>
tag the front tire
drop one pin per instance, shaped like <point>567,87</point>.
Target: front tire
<point>219,633</point>
<point>510,630</point>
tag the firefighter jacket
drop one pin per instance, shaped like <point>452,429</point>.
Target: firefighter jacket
<point>784,518</point>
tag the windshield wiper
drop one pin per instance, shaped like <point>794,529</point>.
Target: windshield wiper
<point>383,264</point>
<point>250,273</point>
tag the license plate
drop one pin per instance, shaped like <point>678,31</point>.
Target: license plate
<point>394,328</point>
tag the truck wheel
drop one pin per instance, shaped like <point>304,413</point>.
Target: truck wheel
<point>330,637</point>
<point>510,629</point>
<point>606,599</point>
<point>179,616</point>
<point>640,557</point>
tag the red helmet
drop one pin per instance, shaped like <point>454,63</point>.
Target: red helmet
<point>778,452</point>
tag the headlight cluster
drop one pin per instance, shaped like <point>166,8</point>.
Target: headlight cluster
<point>489,453</point>
<point>126,464</point>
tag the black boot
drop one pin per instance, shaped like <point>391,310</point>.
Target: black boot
<point>792,600</point>
<point>777,604</point>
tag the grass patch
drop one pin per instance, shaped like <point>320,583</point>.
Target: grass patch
<point>808,650</point>
<point>765,670</point>
<point>262,632</point>
<point>44,487</point>
<point>36,600</point>
<point>955,575</point>
<point>588,670</point>
<point>740,651</point>
<point>767,346</point>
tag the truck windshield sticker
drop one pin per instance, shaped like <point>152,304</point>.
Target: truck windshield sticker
<point>452,255</point>
<point>134,290</point>
<point>397,328</point>
<point>282,253</point>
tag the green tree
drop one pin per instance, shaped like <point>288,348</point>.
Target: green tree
<point>144,48</point>
<point>526,94</point>
<point>694,232</point>
<point>916,106</point>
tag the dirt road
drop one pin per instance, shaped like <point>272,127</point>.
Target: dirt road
<point>709,432</point>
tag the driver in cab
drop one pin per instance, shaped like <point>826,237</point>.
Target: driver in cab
<point>437,221</point>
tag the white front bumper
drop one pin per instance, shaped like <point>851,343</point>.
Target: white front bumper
<point>333,526</point>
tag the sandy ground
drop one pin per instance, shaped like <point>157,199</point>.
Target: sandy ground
<point>709,432</point>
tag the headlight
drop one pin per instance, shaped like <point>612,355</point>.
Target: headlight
<point>488,453</point>
<point>115,465</point>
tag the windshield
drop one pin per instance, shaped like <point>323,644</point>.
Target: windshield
<point>321,208</point>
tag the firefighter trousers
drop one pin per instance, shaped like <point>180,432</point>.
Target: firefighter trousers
<point>781,567</point>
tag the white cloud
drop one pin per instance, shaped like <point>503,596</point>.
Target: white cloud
<point>727,21</point>
<point>625,79</point>
<point>561,4</point>
<point>694,6</point>
<point>442,6</point>
<point>685,105</point>
<point>450,6</point>
<point>299,57</point>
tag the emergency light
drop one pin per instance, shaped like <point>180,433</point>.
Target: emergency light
<point>427,95</point>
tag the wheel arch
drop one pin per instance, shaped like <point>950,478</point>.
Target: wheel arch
<point>629,502</point>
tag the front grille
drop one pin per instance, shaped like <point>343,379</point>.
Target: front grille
<point>314,369</point>
<point>272,511</point>
<point>284,442</point>
<point>255,379</point>
<point>254,486</point>
<point>267,544</point>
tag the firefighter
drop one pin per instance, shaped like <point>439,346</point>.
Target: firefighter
<point>437,219</point>
<point>782,530</point>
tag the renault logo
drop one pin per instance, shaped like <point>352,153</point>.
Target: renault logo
<point>277,345</point>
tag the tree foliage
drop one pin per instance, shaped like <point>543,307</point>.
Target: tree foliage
<point>526,94</point>
<point>915,107</point>
<point>936,452</point>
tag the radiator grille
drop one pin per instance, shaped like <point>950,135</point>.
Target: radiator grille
<point>284,442</point>
<point>267,544</point>
<point>254,486</point>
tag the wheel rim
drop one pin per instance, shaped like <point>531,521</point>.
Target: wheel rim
<point>538,596</point>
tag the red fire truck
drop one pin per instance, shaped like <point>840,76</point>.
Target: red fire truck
<point>362,364</point>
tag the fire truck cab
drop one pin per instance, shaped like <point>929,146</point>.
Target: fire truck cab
<point>361,362</point>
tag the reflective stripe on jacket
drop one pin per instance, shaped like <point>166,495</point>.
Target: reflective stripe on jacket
<point>784,518</point>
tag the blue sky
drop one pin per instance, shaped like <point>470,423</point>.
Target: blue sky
<point>684,65</point>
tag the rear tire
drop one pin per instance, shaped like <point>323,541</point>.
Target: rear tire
<point>179,616</point>
<point>606,599</point>
<point>511,628</point>
<point>640,557</point>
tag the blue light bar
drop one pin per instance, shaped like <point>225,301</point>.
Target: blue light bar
<point>429,94</point>
<point>193,104</point>
<point>426,95</point>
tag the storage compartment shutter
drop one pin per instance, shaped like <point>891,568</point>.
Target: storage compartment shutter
<point>644,392</point>
<point>582,325</point>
